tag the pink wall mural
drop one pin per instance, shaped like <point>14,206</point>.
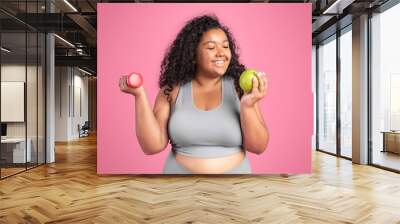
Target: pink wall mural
<point>273,38</point>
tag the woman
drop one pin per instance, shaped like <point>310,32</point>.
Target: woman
<point>200,108</point>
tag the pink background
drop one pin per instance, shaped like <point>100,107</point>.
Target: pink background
<point>274,38</point>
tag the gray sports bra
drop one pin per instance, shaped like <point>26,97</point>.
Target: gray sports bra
<point>209,134</point>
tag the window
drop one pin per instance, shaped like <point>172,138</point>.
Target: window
<point>346,92</point>
<point>327,95</point>
<point>385,88</point>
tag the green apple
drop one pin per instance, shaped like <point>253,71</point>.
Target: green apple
<point>246,80</point>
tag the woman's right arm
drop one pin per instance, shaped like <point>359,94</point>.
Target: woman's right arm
<point>151,126</point>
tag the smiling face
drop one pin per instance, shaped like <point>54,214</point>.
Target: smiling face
<point>213,53</point>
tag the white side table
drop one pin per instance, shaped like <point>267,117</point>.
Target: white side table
<point>19,149</point>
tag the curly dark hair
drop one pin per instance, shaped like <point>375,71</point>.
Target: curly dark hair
<point>177,67</point>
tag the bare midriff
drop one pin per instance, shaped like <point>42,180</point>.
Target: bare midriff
<point>210,165</point>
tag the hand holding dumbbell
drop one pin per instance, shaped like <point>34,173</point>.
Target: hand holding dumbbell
<point>134,80</point>
<point>131,83</point>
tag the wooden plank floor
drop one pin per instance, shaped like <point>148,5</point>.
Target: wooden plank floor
<point>70,191</point>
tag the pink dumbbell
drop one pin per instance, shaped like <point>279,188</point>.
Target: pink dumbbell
<point>134,80</point>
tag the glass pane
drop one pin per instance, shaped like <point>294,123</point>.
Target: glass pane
<point>31,85</point>
<point>386,89</point>
<point>41,98</point>
<point>346,93</point>
<point>23,88</point>
<point>31,100</point>
<point>14,152</point>
<point>314,66</point>
<point>327,96</point>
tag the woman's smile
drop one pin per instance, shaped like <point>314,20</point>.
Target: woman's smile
<point>219,63</point>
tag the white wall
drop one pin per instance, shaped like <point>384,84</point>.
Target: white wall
<point>81,102</point>
<point>62,78</point>
<point>70,83</point>
<point>13,73</point>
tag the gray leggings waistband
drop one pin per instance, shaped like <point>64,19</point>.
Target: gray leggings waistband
<point>172,166</point>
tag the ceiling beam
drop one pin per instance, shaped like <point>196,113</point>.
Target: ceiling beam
<point>83,23</point>
<point>337,6</point>
<point>85,61</point>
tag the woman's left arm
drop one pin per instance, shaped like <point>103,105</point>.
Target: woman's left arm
<point>254,130</point>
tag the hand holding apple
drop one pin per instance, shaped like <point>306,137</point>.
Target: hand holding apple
<point>254,85</point>
<point>246,79</point>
